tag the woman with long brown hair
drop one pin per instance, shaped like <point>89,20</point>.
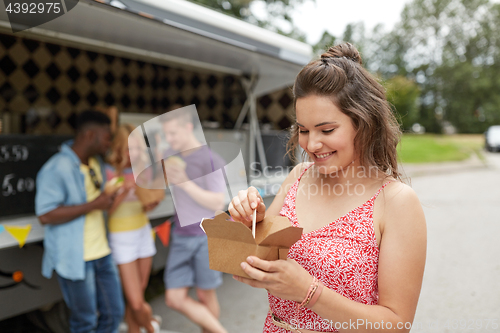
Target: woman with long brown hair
<point>359,263</point>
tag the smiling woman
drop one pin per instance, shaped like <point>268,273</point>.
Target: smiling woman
<point>360,260</point>
<point>328,143</point>
<point>348,91</point>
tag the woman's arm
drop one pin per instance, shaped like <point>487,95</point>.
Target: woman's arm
<point>400,272</point>
<point>205,198</point>
<point>63,214</point>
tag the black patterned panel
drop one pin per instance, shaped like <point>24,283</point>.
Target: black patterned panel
<point>47,85</point>
<point>7,92</point>
<point>31,93</point>
<point>7,65</point>
<point>31,68</point>
<point>53,71</point>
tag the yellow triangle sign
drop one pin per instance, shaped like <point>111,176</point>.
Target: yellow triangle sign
<point>19,233</point>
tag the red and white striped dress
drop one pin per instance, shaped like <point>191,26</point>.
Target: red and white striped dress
<point>343,255</point>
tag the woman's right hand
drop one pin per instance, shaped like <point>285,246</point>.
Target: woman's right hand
<point>242,206</point>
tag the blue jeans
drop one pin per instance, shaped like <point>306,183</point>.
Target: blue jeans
<point>96,303</point>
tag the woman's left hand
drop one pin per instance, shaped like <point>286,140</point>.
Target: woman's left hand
<point>285,279</point>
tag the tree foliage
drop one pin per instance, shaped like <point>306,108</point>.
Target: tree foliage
<point>452,49</point>
<point>324,43</point>
<point>449,50</point>
<point>404,94</point>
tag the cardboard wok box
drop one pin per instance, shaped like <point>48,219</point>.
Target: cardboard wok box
<point>231,242</point>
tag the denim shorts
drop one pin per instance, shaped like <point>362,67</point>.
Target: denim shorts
<point>187,264</point>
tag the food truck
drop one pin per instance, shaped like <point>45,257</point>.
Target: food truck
<point>142,57</point>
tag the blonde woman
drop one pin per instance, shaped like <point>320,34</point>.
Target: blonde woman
<point>130,237</point>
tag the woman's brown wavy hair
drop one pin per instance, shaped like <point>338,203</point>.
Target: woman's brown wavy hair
<point>119,148</point>
<point>340,76</point>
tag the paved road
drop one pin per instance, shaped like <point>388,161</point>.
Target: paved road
<point>462,275</point>
<point>461,280</point>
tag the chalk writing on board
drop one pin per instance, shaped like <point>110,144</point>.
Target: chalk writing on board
<point>12,185</point>
<point>13,153</point>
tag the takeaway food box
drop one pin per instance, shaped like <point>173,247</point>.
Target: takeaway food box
<point>231,242</point>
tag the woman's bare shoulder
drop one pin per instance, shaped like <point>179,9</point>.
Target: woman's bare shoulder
<point>299,168</point>
<point>398,192</point>
<point>295,173</point>
<point>401,205</point>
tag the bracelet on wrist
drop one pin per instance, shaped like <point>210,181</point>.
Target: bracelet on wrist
<point>315,296</point>
<point>310,293</point>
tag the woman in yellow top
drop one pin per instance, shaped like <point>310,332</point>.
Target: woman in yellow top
<point>130,238</point>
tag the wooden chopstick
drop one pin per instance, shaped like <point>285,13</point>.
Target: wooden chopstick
<point>254,221</point>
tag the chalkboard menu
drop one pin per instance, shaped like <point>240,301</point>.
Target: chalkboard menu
<point>21,157</point>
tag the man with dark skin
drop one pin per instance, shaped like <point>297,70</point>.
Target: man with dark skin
<point>89,143</point>
<point>70,203</point>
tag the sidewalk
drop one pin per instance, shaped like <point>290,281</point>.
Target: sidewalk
<point>243,309</point>
<point>123,329</point>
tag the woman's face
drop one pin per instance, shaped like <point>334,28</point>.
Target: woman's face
<point>326,134</point>
<point>134,149</point>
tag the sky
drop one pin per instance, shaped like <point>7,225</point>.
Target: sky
<point>334,15</point>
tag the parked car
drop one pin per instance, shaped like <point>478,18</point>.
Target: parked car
<point>492,138</point>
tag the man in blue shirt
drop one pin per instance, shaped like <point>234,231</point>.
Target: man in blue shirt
<point>70,200</point>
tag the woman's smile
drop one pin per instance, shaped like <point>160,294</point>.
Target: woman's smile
<point>323,156</point>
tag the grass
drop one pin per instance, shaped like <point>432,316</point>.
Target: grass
<point>431,148</point>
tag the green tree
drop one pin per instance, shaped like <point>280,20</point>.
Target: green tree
<point>404,94</point>
<point>450,48</point>
<point>469,74</point>
<point>324,43</point>
<point>355,33</point>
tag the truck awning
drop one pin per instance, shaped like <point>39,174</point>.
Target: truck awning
<point>177,32</point>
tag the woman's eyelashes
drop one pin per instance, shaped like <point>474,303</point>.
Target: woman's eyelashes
<point>324,131</point>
